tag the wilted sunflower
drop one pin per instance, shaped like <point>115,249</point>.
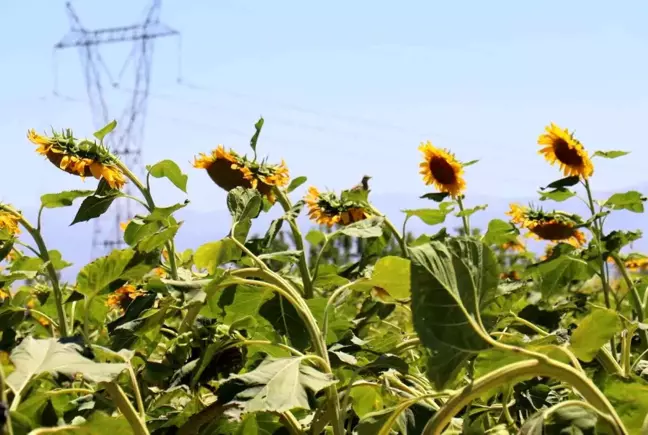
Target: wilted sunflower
<point>9,222</point>
<point>553,226</point>
<point>229,170</point>
<point>441,168</point>
<point>121,298</point>
<point>79,157</point>
<point>561,146</point>
<point>512,275</point>
<point>327,209</point>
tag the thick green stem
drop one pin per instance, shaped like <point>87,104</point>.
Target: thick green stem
<point>299,244</point>
<point>290,422</point>
<point>3,401</point>
<point>51,271</point>
<point>151,205</point>
<point>464,219</point>
<point>634,297</point>
<point>514,372</point>
<point>126,408</point>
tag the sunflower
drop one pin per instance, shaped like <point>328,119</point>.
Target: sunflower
<point>229,170</point>
<point>441,168</point>
<point>515,246</point>
<point>3,295</point>
<point>636,264</point>
<point>9,222</point>
<point>79,157</point>
<point>121,298</point>
<point>553,226</point>
<point>327,209</point>
<point>512,275</point>
<point>561,146</point>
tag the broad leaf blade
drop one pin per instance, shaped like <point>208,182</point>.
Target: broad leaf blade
<point>63,199</point>
<point>170,170</point>
<point>101,272</point>
<point>33,357</point>
<point>593,332</point>
<point>451,282</point>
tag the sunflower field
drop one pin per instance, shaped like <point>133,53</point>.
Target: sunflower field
<point>351,326</point>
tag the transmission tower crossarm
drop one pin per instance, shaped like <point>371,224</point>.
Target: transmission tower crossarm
<point>81,38</point>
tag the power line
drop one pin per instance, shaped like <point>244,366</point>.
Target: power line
<point>126,142</point>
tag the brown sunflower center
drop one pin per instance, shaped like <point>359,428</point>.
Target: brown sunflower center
<point>566,154</point>
<point>442,171</point>
<point>553,231</point>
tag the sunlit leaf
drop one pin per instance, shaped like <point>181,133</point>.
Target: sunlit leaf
<point>63,199</point>
<point>393,275</point>
<point>211,255</point>
<point>500,232</point>
<point>559,195</point>
<point>95,276</point>
<point>277,385</point>
<point>33,357</point>
<point>610,154</point>
<point>243,203</point>
<point>257,131</point>
<point>364,229</point>
<point>596,329</point>
<point>631,201</point>
<point>295,183</point>
<point>101,133</point>
<point>170,170</point>
<point>431,216</point>
<point>471,211</point>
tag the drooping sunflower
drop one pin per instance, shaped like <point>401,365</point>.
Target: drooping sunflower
<point>513,275</point>
<point>442,169</point>
<point>229,170</point>
<point>554,226</point>
<point>9,222</point>
<point>84,158</point>
<point>560,146</point>
<point>121,298</point>
<point>326,208</point>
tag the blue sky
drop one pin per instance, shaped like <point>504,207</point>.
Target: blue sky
<point>346,88</point>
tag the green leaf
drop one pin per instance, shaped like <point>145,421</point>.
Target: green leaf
<point>243,203</point>
<point>94,206</point>
<point>631,201</point>
<point>500,232</point>
<point>562,419</point>
<point>431,216</point>
<point>559,195</point>
<point>286,321</point>
<point>95,276</point>
<point>295,183</point>
<point>315,237</point>
<point>563,182</point>
<point>257,127</point>
<point>101,133</point>
<point>5,248</point>
<point>158,239</point>
<point>615,240</point>
<point>279,385</point>
<point>393,275</point>
<point>137,230</point>
<point>211,255</point>
<point>470,163</point>
<point>629,397</point>
<point>610,154</point>
<point>170,170</point>
<point>451,282</point>
<point>161,214</point>
<point>283,256</point>
<point>33,357</point>
<point>364,229</point>
<point>554,275</point>
<point>596,329</point>
<point>366,399</point>
<point>435,196</point>
<point>63,199</point>
<point>471,211</point>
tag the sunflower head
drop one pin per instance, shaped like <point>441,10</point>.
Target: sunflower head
<point>326,208</point>
<point>553,226</point>
<point>3,295</point>
<point>229,170</point>
<point>121,298</point>
<point>560,146</point>
<point>636,263</point>
<point>512,275</point>
<point>513,246</point>
<point>440,168</point>
<point>9,222</point>
<point>83,158</point>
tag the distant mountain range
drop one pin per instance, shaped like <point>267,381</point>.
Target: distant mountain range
<point>199,227</point>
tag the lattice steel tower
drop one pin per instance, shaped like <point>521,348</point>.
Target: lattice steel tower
<point>126,140</point>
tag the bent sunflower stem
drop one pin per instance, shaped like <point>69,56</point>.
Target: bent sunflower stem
<point>392,228</point>
<point>51,271</point>
<point>134,420</point>
<point>513,372</point>
<point>299,243</point>
<point>150,206</point>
